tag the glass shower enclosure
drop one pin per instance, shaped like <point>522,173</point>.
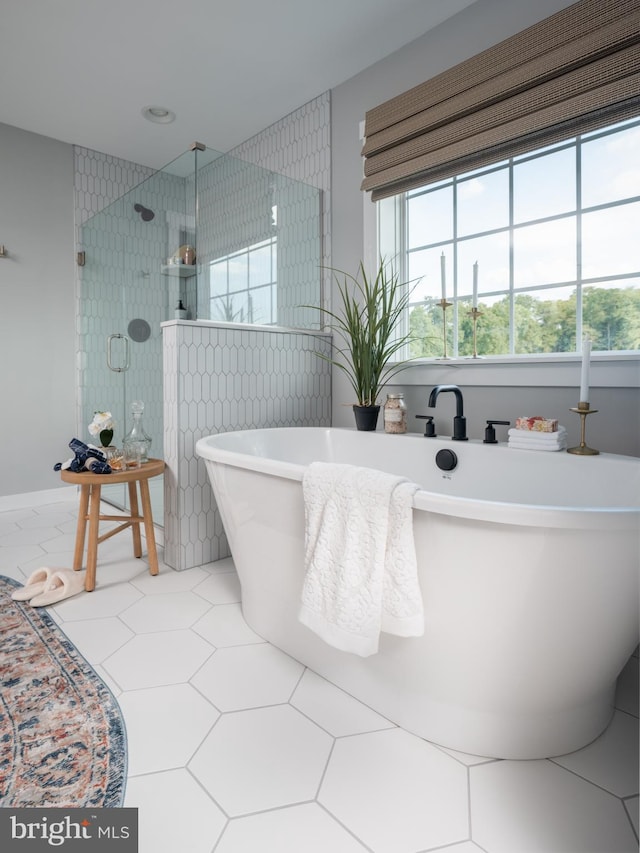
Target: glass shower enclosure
<point>129,285</point>
<point>208,237</point>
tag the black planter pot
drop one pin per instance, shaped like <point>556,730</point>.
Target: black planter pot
<point>366,417</point>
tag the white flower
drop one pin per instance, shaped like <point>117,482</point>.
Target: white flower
<point>100,422</point>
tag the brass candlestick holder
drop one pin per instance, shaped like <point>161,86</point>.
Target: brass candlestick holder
<point>444,305</point>
<point>474,314</point>
<point>582,450</point>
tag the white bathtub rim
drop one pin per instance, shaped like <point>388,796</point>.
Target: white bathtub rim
<point>498,512</point>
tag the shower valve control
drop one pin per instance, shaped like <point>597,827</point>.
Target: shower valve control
<point>446,460</point>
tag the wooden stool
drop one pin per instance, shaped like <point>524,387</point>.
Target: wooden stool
<point>89,511</point>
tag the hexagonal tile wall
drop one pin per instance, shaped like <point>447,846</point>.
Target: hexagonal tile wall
<point>262,378</point>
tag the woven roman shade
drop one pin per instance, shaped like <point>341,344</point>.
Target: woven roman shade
<point>575,71</point>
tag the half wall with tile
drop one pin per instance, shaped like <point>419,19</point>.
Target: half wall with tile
<point>219,378</point>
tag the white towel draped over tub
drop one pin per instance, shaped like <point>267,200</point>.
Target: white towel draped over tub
<point>360,561</point>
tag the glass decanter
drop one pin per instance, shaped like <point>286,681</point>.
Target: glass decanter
<point>137,437</point>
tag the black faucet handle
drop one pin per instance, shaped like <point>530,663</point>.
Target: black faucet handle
<point>490,433</point>
<point>429,427</point>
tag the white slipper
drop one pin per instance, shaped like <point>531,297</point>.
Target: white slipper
<point>35,584</point>
<point>65,583</point>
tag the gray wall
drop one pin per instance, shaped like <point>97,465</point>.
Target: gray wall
<point>37,310</point>
<point>614,428</point>
<point>505,392</point>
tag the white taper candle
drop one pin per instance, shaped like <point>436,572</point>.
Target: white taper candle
<point>475,285</point>
<point>584,374</point>
<point>443,277</point>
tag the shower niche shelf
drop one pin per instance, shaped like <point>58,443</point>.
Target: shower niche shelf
<point>178,270</point>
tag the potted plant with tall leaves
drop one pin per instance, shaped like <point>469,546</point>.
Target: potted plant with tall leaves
<point>366,323</point>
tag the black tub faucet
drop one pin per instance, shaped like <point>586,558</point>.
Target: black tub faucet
<point>459,422</point>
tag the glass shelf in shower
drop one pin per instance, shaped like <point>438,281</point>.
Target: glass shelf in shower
<point>178,270</point>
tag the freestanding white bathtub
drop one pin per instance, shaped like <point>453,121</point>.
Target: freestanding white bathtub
<point>528,565</point>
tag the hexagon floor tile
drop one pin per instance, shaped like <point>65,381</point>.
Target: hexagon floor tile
<point>169,581</point>
<point>221,588</point>
<point>52,519</point>
<point>333,709</point>
<point>174,813</point>
<point>632,805</point>
<point>295,829</point>
<point>103,601</point>
<point>262,759</point>
<point>165,612</point>
<point>248,677</point>
<point>533,806</point>
<point>97,644</point>
<point>611,761</point>
<point>29,536</point>
<point>223,625</point>
<point>396,792</point>
<point>303,766</point>
<point>627,689</point>
<point>55,560</point>
<point>23,558</point>
<point>65,541</point>
<point>166,726</point>
<point>153,660</point>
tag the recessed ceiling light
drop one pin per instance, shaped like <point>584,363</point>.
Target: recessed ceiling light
<point>161,115</point>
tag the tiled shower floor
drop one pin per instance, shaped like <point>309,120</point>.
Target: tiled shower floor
<point>234,747</point>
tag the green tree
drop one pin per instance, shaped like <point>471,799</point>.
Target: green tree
<point>612,317</point>
<point>557,319</point>
<point>425,327</point>
<point>492,329</point>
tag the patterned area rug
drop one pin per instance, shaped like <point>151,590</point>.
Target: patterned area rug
<point>62,736</point>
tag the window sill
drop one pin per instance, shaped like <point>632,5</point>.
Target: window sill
<point>618,370</point>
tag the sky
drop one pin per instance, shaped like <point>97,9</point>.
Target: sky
<point>544,252</point>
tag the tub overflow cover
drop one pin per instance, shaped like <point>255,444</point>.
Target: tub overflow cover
<point>446,460</point>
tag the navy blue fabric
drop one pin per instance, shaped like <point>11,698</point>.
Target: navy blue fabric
<point>85,459</point>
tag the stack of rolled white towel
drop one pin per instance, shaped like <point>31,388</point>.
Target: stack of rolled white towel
<point>538,433</point>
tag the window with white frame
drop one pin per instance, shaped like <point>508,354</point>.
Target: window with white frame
<point>551,239</point>
<point>243,285</point>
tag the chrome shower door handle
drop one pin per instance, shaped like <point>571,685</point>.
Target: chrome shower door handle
<point>110,340</point>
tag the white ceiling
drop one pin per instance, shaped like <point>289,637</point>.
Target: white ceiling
<point>81,70</point>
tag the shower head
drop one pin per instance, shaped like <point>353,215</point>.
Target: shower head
<point>145,214</point>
